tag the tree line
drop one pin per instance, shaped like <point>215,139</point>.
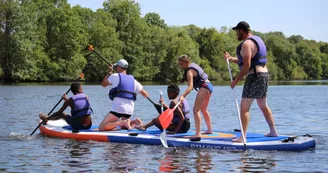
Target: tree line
<point>44,40</point>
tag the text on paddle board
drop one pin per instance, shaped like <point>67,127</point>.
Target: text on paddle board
<point>212,147</point>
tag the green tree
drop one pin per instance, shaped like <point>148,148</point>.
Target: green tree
<point>100,29</point>
<point>295,39</point>
<point>310,60</point>
<point>284,53</point>
<point>324,58</point>
<point>65,38</point>
<point>179,44</point>
<point>20,50</point>
<point>155,19</point>
<point>130,28</point>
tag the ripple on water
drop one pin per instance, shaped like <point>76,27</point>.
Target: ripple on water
<point>296,112</point>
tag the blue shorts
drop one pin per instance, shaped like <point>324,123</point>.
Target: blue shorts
<point>76,122</point>
<point>208,86</point>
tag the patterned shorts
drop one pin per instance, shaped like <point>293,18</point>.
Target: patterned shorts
<point>256,85</point>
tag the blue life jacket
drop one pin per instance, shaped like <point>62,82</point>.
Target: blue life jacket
<point>125,88</point>
<point>81,105</point>
<point>260,58</point>
<point>199,79</point>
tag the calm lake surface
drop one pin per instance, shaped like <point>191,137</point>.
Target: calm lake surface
<point>299,108</point>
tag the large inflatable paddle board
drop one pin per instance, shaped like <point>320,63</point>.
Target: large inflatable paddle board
<point>219,140</point>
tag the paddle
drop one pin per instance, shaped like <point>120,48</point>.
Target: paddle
<point>156,105</point>
<point>161,97</point>
<point>90,48</point>
<point>237,107</point>
<point>162,137</point>
<point>165,119</point>
<point>81,76</point>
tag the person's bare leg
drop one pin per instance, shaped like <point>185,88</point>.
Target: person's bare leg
<point>111,121</point>
<point>262,103</point>
<point>43,117</point>
<point>154,121</point>
<point>54,116</point>
<point>196,110</point>
<point>205,112</point>
<point>244,116</point>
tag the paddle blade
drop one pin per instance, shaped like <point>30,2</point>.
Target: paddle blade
<point>165,118</point>
<point>90,47</point>
<point>81,75</point>
<point>162,137</point>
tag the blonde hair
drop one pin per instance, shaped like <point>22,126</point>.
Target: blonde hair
<point>184,58</point>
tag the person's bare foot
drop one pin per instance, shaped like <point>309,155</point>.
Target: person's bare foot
<point>126,123</point>
<point>138,122</point>
<point>197,135</point>
<point>207,132</point>
<point>272,134</point>
<point>43,117</point>
<point>140,127</point>
<point>239,140</point>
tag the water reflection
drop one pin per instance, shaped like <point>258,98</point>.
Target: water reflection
<point>167,164</point>
<point>259,162</point>
<point>186,160</point>
<point>204,161</point>
<point>78,152</point>
<point>120,157</point>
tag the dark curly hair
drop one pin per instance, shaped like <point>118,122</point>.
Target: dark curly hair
<point>173,87</point>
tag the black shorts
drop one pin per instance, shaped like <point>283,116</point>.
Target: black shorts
<point>119,115</point>
<point>76,122</point>
<point>256,85</point>
<point>185,126</point>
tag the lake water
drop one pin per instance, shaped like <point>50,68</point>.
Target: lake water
<point>298,109</point>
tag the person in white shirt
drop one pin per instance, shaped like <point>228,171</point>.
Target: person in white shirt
<point>123,93</point>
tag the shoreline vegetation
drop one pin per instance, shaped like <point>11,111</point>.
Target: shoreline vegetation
<point>164,83</point>
<point>44,41</point>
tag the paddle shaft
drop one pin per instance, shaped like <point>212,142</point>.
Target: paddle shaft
<point>101,56</point>
<point>151,101</point>
<point>52,109</point>
<point>237,106</point>
<point>162,137</point>
<point>161,96</point>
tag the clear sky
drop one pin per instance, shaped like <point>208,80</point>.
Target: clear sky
<point>308,18</point>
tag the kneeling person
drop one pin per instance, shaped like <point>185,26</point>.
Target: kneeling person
<point>180,122</point>
<point>123,94</point>
<point>80,117</point>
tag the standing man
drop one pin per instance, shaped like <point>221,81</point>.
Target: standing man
<point>251,59</point>
<point>123,94</point>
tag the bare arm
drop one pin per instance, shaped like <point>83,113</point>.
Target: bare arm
<point>162,102</point>
<point>143,93</point>
<point>67,103</point>
<point>230,58</point>
<point>246,53</point>
<point>105,82</point>
<point>190,84</point>
<point>178,112</point>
